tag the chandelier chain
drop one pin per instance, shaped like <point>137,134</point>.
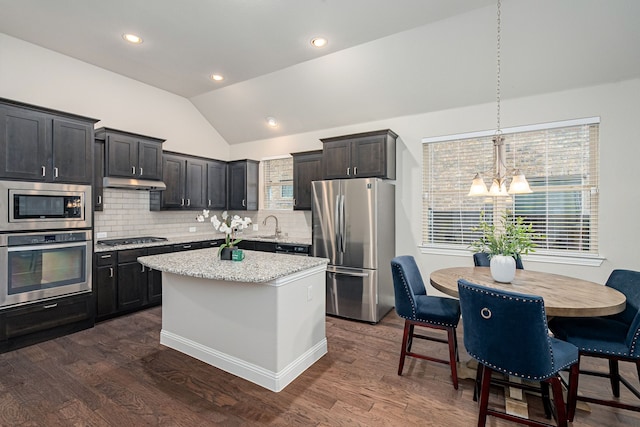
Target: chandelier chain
<point>498,131</point>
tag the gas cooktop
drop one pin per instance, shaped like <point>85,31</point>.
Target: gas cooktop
<point>131,241</point>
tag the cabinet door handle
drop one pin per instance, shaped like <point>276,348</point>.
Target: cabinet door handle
<point>105,256</point>
<point>142,271</point>
<point>186,247</point>
<point>294,202</point>
<point>110,271</point>
<point>209,203</point>
<point>188,202</point>
<point>182,202</point>
<point>140,171</point>
<point>133,170</point>
<point>348,171</point>
<point>55,172</point>
<point>99,200</point>
<point>55,304</point>
<point>44,171</point>
<point>355,170</point>
<point>244,203</point>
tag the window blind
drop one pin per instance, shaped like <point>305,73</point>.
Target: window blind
<point>560,161</point>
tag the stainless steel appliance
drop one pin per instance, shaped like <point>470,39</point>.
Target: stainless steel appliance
<point>43,265</point>
<point>292,249</point>
<point>353,225</point>
<point>44,206</point>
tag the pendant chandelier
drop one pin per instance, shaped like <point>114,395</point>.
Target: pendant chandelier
<point>519,184</point>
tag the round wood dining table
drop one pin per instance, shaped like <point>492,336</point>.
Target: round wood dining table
<point>563,296</point>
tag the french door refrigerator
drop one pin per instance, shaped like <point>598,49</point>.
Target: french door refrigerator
<point>353,225</point>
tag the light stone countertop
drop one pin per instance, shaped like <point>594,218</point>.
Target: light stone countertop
<point>258,267</point>
<point>191,238</point>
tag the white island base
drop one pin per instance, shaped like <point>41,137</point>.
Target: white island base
<point>267,333</point>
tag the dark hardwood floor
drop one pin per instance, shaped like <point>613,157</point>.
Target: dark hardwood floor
<point>117,374</point>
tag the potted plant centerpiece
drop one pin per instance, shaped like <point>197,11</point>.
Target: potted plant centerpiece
<point>229,225</point>
<point>503,244</point>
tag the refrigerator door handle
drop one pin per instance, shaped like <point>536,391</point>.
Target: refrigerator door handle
<point>333,270</point>
<point>343,230</point>
<point>336,221</point>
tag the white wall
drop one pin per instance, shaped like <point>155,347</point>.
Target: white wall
<point>618,105</point>
<point>31,74</point>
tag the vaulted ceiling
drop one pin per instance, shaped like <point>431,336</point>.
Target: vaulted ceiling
<point>385,58</point>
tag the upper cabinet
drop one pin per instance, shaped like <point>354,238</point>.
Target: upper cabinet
<point>362,155</point>
<point>242,176</point>
<point>307,167</point>
<point>192,182</point>
<point>129,155</point>
<point>216,184</point>
<point>98,174</point>
<point>39,144</point>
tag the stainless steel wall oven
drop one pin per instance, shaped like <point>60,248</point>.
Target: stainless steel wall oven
<point>45,242</point>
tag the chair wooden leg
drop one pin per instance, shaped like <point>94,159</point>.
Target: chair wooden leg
<point>403,352</point>
<point>453,351</point>
<point>614,377</point>
<point>561,410</point>
<point>410,341</point>
<point>485,384</point>
<point>546,399</point>
<point>476,387</point>
<point>638,368</point>
<point>572,391</point>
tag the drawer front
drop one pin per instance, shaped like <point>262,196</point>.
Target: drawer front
<point>105,258</point>
<point>130,255</point>
<point>45,315</point>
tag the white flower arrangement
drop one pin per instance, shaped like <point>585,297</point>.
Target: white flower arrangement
<point>229,225</point>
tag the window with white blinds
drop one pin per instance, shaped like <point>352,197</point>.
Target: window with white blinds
<point>560,161</point>
<point>278,183</point>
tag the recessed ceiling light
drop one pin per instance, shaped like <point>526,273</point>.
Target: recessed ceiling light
<point>271,121</point>
<point>217,77</point>
<point>132,38</point>
<point>319,42</point>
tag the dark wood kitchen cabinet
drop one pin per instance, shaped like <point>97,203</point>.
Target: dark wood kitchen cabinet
<point>104,285</point>
<point>216,184</point>
<point>307,167</point>
<point>363,155</point>
<point>40,321</point>
<point>39,144</point>
<point>243,185</point>
<point>98,174</point>
<point>129,155</point>
<point>186,181</point>
<point>132,279</point>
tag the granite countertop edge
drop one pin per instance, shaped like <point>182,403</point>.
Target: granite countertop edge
<point>257,267</point>
<point>192,238</point>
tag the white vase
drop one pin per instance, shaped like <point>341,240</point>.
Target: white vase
<point>503,268</point>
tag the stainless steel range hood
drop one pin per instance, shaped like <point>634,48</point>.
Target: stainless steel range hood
<point>132,183</point>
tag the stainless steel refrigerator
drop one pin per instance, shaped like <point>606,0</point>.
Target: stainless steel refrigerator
<point>353,225</point>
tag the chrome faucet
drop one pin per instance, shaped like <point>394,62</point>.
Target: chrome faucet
<point>278,231</point>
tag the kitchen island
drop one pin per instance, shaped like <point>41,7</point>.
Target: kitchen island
<point>262,319</point>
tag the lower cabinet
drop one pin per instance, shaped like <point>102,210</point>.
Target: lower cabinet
<point>122,285</point>
<point>37,322</point>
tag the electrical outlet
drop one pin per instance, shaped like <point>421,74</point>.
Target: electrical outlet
<point>192,229</point>
<point>255,227</point>
<point>101,235</point>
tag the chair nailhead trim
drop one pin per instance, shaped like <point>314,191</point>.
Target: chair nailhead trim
<point>544,319</point>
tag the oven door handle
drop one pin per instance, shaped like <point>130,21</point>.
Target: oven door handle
<point>29,248</point>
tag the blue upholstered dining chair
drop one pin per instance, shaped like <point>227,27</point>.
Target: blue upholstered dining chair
<point>615,338</point>
<point>481,259</point>
<point>507,332</point>
<point>419,309</point>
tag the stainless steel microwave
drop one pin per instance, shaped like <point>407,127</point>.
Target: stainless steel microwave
<point>44,206</point>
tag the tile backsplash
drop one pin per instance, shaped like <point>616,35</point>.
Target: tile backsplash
<point>126,214</point>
